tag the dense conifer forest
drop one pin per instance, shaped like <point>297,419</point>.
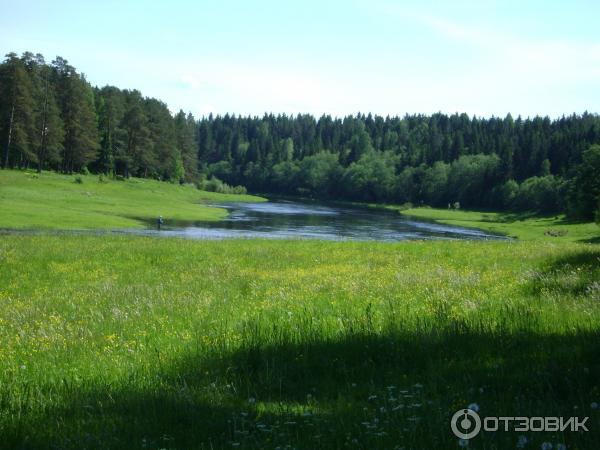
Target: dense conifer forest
<point>51,118</point>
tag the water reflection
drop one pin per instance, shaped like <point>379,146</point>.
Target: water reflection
<point>288,219</point>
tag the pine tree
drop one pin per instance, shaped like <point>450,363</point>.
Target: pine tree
<point>48,143</point>
<point>79,116</point>
<point>17,113</point>
<point>137,153</point>
<point>186,144</point>
<point>111,108</point>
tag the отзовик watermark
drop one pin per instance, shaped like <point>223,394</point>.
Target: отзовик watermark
<point>466,424</point>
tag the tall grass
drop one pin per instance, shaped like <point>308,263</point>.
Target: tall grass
<point>130,342</point>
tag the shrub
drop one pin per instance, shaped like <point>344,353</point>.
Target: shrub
<point>543,194</point>
<point>213,184</point>
<point>78,180</point>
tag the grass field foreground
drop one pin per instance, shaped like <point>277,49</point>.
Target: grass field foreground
<point>132,342</point>
<point>53,201</point>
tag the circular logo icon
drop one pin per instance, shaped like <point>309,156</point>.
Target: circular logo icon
<point>465,424</point>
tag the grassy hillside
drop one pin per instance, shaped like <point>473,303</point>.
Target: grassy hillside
<point>131,342</point>
<point>521,226</point>
<point>50,200</point>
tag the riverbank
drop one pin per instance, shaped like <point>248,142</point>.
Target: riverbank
<point>523,226</point>
<point>53,201</point>
<point>520,226</point>
<point>132,342</point>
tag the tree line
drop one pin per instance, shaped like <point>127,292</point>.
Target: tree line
<point>52,118</point>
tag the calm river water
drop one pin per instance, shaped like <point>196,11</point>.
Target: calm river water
<point>292,219</point>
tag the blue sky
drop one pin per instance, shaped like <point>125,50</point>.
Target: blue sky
<point>326,57</point>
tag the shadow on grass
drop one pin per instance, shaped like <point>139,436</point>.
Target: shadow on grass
<point>573,274</point>
<point>594,240</point>
<point>510,217</point>
<point>359,391</point>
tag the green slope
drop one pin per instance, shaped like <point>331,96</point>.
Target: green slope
<point>53,201</point>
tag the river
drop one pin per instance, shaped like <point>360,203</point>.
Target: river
<point>298,220</point>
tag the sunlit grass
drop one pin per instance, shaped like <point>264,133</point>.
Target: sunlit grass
<point>130,342</point>
<point>50,200</point>
<point>526,226</point>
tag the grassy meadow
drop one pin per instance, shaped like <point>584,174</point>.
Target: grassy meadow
<point>54,201</point>
<point>523,226</point>
<point>133,342</point>
<point>130,342</point>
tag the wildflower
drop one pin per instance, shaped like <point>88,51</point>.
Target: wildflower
<point>372,397</point>
<point>473,407</point>
<point>521,441</point>
<point>546,446</point>
<point>463,443</point>
<point>594,405</point>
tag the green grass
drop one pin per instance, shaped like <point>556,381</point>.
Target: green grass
<point>521,226</point>
<point>53,201</point>
<point>144,343</point>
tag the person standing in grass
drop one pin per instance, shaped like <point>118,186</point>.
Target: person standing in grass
<point>159,222</point>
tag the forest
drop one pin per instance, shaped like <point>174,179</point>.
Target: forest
<point>52,118</point>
